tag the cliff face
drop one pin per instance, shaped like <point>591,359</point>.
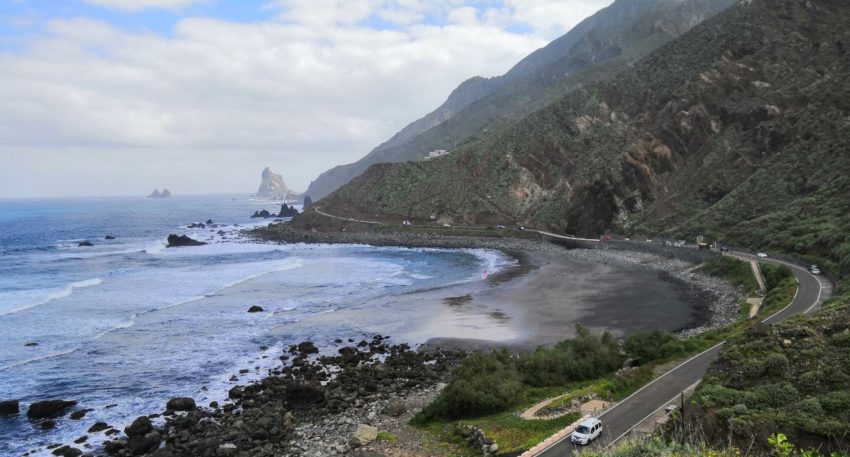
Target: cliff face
<point>272,186</point>
<point>596,49</point>
<point>737,129</point>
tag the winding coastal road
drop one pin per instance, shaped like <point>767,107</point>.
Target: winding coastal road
<point>620,420</point>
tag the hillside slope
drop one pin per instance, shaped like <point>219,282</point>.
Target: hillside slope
<point>596,49</point>
<point>740,129</point>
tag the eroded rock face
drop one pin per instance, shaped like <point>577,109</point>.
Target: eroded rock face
<point>272,186</point>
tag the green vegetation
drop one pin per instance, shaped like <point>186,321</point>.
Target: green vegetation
<point>734,271</point>
<point>777,445</point>
<point>487,383</point>
<point>790,377</point>
<point>387,436</point>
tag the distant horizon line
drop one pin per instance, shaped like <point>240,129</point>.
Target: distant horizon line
<point>173,195</point>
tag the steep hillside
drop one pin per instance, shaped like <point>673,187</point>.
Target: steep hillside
<point>739,129</point>
<point>596,49</point>
<point>790,378</point>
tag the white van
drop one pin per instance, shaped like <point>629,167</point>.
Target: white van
<point>587,431</point>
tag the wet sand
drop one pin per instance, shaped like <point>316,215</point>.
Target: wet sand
<point>538,302</point>
<point>544,305</point>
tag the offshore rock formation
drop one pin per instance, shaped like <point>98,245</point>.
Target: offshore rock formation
<point>273,186</point>
<point>157,194</point>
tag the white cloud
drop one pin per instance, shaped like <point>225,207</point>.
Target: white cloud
<point>219,100</point>
<point>138,5</point>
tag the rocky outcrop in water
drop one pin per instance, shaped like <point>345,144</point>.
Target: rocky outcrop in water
<point>49,409</point>
<point>272,186</point>
<point>175,241</point>
<point>285,211</point>
<point>157,194</point>
<point>10,408</point>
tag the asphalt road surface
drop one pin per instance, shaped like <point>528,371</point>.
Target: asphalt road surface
<point>623,417</point>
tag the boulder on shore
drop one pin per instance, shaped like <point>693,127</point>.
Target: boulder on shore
<point>175,241</point>
<point>364,435</point>
<point>140,427</point>
<point>10,408</point>
<point>49,408</point>
<point>256,309</point>
<point>181,404</point>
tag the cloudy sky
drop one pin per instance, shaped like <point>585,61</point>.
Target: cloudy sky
<point>117,97</point>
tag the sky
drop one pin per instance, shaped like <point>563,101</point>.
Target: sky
<point>118,97</point>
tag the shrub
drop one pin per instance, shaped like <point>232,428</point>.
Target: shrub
<point>653,345</point>
<point>484,383</point>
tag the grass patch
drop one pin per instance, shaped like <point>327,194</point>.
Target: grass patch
<point>387,436</point>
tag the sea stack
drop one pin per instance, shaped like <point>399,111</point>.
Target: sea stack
<point>157,194</point>
<point>272,186</point>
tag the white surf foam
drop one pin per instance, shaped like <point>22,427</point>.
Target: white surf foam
<point>52,295</point>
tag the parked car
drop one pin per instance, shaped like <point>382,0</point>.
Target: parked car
<point>587,431</point>
<point>814,270</point>
<point>407,223</point>
<point>447,225</point>
<point>762,255</point>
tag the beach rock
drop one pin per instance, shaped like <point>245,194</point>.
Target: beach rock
<point>81,440</point>
<point>140,427</point>
<point>139,445</point>
<point>181,404</point>
<point>256,309</point>
<point>396,407</point>
<point>307,347</point>
<point>85,244</point>
<point>10,408</point>
<point>113,447</point>
<point>227,450</point>
<point>109,237</point>
<point>235,393</point>
<point>79,414</point>
<point>302,395</point>
<point>182,240</point>
<point>364,435</point>
<point>49,408</point>
<point>31,344</point>
<point>47,424</point>
<point>67,451</point>
<point>99,427</point>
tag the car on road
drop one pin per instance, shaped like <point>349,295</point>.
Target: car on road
<point>814,270</point>
<point>587,431</point>
<point>762,255</point>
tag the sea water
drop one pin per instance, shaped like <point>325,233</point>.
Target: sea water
<point>126,324</point>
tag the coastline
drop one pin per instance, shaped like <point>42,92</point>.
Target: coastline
<point>535,302</point>
<point>550,290</point>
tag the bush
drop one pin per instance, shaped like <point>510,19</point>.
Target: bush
<point>653,345</point>
<point>484,383</point>
<point>587,356</point>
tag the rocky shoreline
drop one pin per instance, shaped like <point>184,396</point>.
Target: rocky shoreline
<point>312,405</point>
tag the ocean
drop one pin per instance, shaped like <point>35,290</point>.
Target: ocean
<point>126,324</point>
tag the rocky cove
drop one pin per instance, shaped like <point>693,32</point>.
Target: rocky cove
<point>319,405</point>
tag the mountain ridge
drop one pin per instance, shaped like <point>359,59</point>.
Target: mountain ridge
<point>732,130</point>
<point>533,82</point>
